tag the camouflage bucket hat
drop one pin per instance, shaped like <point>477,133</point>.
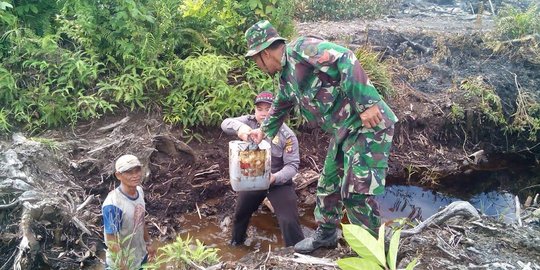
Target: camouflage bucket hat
<point>259,36</point>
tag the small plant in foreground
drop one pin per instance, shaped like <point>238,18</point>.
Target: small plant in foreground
<point>184,254</point>
<point>371,250</point>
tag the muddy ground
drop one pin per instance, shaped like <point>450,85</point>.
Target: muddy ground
<point>432,48</point>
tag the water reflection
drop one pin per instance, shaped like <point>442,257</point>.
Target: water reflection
<point>420,203</point>
<point>263,233</point>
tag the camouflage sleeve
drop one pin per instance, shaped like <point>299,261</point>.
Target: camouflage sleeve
<point>291,156</point>
<point>280,109</point>
<point>340,64</point>
<point>231,125</point>
<point>355,82</point>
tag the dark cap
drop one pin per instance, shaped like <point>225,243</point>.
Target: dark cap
<point>264,96</point>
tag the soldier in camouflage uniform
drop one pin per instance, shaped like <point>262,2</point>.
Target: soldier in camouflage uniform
<point>332,89</point>
<point>285,163</point>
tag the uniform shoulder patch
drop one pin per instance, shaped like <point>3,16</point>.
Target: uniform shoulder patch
<point>311,50</point>
<point>276,140</point>
<point>289,145</point>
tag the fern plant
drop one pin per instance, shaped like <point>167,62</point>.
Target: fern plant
<point>185,254</point>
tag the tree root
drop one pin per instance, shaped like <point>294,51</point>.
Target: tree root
<point>459,208</point>
<point>28,247</point>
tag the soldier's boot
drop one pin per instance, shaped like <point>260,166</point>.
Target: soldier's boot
<point>321,238</point>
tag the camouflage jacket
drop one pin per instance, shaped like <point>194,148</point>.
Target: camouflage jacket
<point>330,86</point>
<point>285,150</point>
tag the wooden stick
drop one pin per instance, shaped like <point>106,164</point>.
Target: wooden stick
<point>518,211</point>
<point>198,211</point>
<point>492,9</point>
<point>268,204</point>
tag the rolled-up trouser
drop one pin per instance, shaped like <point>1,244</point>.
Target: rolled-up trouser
<point>354,170</point>
<point>283,199</point>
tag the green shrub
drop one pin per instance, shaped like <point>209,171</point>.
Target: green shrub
<point>65,61</point>
<point>210,90</point>
<point>481,98</point>
<point>377,70</point>
<point>526,119</point>
<point>513,23</point>
<point>313,10</point>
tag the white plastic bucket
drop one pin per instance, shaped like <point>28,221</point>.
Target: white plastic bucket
<point>249,169</point>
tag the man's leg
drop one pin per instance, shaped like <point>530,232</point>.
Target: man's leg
<point>365,166</point>
<point>329,205</point>
<point>363,210</point>
<point>247,203</point>
<point>284,201</point>
<point>328,210</point>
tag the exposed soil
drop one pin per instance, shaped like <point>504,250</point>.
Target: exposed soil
<point>434,47</point>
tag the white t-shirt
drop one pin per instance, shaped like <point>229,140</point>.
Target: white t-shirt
<point>123,216</point>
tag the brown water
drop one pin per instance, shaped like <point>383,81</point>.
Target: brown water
<point>263,233</point>
<point>398,201</point>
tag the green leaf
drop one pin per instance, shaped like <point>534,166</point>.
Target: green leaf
<point>355,263</point>
<point>381,237</point>
<point>363,243</point>
<point>253,4</point>
<point>391,257</point>
<point>270,9</point>
<point>5,5</point>
<point>411,265</point>
<point>34,9</point>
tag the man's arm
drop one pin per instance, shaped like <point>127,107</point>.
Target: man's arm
<point>112,242</point>
<point>356,84</point>
<point>291,159</point>
<point>237,126</point>
<point>324,56</point>
<point>149,247</point>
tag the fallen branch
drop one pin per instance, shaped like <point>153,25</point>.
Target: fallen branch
<point>117,142</point>
<point>518,211</point>
<point>79,224</point>
<point>85,203</point>
<point>6,265</point>
<point>113,125</point>
<point>459,208</point>
<point>306,259</point>
<point>9,205</point>
<point>518,41</point>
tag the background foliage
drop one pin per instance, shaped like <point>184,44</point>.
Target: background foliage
<point>65,61</point>
<point>312,10</point>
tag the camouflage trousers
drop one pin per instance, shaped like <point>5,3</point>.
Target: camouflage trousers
<point>354,170</point>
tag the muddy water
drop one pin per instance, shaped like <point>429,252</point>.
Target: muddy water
<point>263,233</point>
<point>420,203</point>
<point>397,202</point>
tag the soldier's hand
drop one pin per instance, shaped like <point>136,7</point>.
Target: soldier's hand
<point>371,117</point>
<point>256,135</point>
<point>243,133</point>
